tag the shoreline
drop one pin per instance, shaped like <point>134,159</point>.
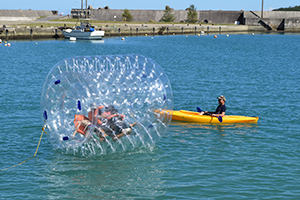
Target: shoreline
<point>16,32</point>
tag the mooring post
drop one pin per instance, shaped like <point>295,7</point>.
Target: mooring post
<point>153,31</point>
<point>56,36</point>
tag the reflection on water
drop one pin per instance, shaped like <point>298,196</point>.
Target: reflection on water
<point>86,41</point>
<point>115,176</point>
<point>210,134</point>
<point>219,127</point>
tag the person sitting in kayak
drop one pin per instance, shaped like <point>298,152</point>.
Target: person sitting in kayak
<point>221,109</point>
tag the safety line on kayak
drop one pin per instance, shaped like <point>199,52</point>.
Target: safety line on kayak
<point>37,148</point>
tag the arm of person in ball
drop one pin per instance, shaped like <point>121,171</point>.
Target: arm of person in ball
<point>115,138</point>
<point>103,135</point>
<point>76,129</point>
<point>125,131</point>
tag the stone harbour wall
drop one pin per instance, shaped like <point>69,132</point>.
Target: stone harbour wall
<point>23,15</point>
<point>219,17</point>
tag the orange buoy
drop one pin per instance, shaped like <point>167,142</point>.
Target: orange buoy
<point>215,36</point>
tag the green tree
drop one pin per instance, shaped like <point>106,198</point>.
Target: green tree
<point>168,16</point>
<point>192,16</point>
<point>126,15</point>
<point>295,8</point>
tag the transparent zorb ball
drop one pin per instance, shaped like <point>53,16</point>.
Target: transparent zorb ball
<point>103,104</point>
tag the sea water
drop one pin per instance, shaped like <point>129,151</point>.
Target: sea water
<point>258,74</point>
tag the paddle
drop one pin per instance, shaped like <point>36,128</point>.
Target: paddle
<point>199,110</point>
<point>219,117</point>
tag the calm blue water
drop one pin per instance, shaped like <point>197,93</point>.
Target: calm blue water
<point>259,75</point>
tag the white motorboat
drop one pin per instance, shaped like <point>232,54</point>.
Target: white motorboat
<point>85,32</point>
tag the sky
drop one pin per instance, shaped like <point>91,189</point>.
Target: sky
<point>65,6</point>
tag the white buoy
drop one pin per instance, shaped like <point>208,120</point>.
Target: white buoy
<point>123,38</point>
<point>8,44</point>
<point>252,33</point>
<point>0,41</point>
<point>72,38</point>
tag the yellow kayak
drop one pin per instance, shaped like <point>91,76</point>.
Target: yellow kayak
<point>190,116</point>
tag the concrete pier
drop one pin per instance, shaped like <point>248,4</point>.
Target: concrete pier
<point>12,33</point>
<point>29,33</point>
<point>183,29</point>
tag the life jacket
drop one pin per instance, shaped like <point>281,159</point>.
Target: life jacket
<point>82,128</point>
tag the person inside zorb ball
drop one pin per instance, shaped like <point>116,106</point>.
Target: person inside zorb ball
<point>103,104</point>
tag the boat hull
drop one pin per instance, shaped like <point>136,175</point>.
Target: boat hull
<point>78,34</point>
<point>189,116</point>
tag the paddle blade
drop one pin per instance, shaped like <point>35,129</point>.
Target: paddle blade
<point>199,109</point>
<point>220,119</point>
